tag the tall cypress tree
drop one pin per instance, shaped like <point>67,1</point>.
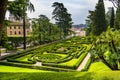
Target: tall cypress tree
<point>117,19</point>
<point>100,21</point>
<point>112,18</point>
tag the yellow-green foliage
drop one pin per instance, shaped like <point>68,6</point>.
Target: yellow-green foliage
<point>17,69</point>
<point>99,66</point>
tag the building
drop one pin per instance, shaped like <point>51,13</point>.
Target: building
<point>79,30</point>
<point>15,27</point>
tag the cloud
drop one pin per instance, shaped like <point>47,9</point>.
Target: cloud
<point>78,8</point>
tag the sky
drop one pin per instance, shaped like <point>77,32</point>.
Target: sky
<point>77,8</point>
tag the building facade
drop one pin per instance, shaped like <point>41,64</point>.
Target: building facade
<point>16,29</point>
<point>78,30</point>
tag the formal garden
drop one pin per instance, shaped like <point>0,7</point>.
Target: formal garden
<point>43,50</point>
<point>65,55</point>
<point>60,58</point>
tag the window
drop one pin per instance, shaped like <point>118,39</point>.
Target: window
<point>15,33</point>
<point>14,27</point>
<point>19,33</point>
<point>27,32</point>
<point>10,27</point>
<point>18,27</point>
<point>10,32</point>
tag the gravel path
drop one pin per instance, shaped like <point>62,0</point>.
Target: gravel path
<point>82,65</point>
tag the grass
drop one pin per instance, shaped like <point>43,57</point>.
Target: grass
<point>70,63</point>
<point>110,75</point>
<point>98,66</point>
<point>18,69</point>
<point>24,58</point>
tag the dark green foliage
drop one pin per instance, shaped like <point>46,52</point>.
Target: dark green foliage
<point>62,17</point>
<point>4,40</point>
<point>43,31</point>
<point>16,41</point>
<point>90,22</point>
<point>112,18</point>
<point>100,23</point>
<point>106,48</point>
<point>117,19</point>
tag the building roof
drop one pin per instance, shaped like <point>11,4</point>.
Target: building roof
<point>18,24</point>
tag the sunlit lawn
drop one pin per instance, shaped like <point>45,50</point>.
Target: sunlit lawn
<point>18,69</point>
<point>107,75</point>
<point>24,58</point>
<point>99,66</point>
<point>70,63</point>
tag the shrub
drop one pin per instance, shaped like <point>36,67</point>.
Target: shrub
<point>34,67</point>
<point>27,62</point>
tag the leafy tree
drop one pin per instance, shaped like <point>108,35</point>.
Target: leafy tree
<point>19,8</point>
<point>117,19</point>
<point>100,21</point>
<point>112,18</point>
<point>116,4</point>
<point>43,30</point>
<point>62,17</point>
<point>3,7</point>
<point>107,48</point>
<point>4,38</point>
<point>90,22</point>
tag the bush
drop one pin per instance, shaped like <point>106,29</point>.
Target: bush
<point>34,67</point>
<point>27,62</point>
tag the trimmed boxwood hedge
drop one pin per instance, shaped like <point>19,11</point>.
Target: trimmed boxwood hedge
<point>35,67</point>
<point>73,49</point>
<point>27,62</point>
<point>87,65</point>
<point>81,58</point>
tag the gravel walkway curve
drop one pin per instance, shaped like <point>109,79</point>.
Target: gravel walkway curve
<point>82,65</point>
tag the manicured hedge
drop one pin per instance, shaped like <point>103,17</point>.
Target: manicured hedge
<point>72,49</point>
<point>27,62</point>
<point>35,67</point>
<point>87,65</point>
<point>81,58</point>
<point>58,65</point>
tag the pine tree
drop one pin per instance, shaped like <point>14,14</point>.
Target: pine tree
<point>112,18</point>
<point>62,17</point>
<point>100,21</point>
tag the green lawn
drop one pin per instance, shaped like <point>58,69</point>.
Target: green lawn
<point>24,58</point>
<point>18,69</point>
<point>110,75</point>
<point>99,66</point>
<point>70,63</point>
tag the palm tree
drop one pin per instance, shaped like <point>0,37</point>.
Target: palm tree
<point>19,8</point>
